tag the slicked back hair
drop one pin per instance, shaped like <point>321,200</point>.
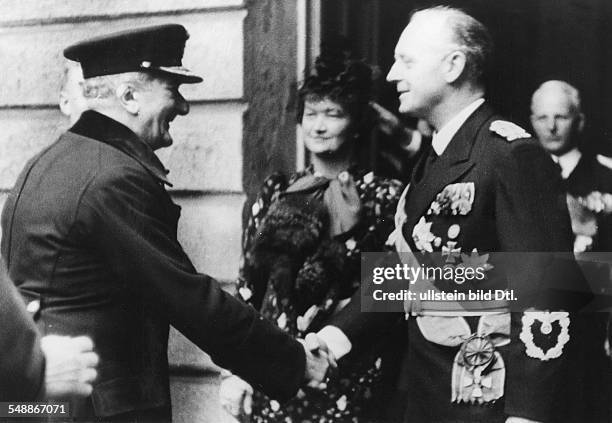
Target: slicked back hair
<point>470,36</point>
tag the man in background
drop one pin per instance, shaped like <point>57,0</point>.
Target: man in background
<point>558,121</point>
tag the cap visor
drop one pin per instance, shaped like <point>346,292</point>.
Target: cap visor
<point>185,75</point>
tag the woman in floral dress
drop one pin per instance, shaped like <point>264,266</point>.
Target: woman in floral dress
<point>302,242</point>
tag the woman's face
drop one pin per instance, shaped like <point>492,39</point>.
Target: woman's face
<point>325,126</point>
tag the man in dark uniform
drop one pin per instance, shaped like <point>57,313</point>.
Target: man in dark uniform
<point>90,233</point>
<point>31,368</point>
<point>558,121</point>
<point>482,186</point>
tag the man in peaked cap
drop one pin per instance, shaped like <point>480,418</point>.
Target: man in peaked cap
<point>90,234</point>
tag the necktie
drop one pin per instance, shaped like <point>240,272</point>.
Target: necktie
<point>425,165</point>
<point>559,171</point>
<point>558,167</point>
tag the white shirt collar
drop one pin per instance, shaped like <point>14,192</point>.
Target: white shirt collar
<point>568,162</point>
<point>443,137</point>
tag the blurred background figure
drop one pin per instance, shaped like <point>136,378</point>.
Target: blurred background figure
<point>304,234</point>
<point>558,121</point>
<point>71,100</point>
<point>400,144</point>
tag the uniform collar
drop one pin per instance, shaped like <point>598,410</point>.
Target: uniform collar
<point>442,138</point>
<point>568,162</point>
<point>102,128</point>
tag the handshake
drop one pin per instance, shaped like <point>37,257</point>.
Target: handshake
<point>236,395</point>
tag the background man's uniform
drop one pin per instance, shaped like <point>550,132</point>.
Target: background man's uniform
<point>582,174</point>
<point>514,208</point>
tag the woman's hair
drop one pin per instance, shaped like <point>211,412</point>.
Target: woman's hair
<point>342,79</point>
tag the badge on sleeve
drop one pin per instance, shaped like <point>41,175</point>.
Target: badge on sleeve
<point>508,130</point>
<point>545,333</point>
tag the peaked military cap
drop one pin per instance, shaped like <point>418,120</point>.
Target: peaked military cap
<point>156,49</point>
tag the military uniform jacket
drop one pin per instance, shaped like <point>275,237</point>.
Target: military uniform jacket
<point>516,205</point>
<point>590,175</point>
<point>89,231</point>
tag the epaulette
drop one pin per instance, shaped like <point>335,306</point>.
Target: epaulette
<point>508,130</point>
<point>605,161</point>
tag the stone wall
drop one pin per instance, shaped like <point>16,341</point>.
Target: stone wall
<point>270,87</point>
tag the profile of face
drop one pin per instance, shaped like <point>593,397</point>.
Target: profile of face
<point>159,102</point>
<point>326,127</point>
<point>419,70</point>
<point>555,121</point>
<point>72,103</point>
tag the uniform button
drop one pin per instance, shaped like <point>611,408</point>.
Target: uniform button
<point>33,307</point>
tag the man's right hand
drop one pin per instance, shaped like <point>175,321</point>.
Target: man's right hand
<point>319,360</point>
<point>70,365</point>
<point>236,397</point>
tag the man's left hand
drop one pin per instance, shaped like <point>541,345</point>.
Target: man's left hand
<point>70,365</point>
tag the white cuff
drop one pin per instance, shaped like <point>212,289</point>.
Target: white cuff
<point>336,341</point>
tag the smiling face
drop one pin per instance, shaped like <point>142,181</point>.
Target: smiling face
<point>326,126</point>
<point>159,103</point>
<point>555,121</point>
<point>418,67</point>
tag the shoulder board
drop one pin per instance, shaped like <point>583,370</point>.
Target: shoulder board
<point>508,130</point>
<point>605,161</point>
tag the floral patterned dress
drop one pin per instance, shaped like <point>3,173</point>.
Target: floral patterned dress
<point>296,274</point>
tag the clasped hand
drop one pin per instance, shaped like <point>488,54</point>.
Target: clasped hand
<point>236,395</point>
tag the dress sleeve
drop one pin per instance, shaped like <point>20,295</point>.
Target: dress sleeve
<point>389,192</point>
<point>247,289</point>
<point>379,198</point>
